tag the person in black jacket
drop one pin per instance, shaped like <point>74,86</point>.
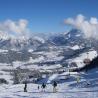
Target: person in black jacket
<point>54,86</point>
<point>25,87</point>
<point>43,87</point>
<point>38,87</point>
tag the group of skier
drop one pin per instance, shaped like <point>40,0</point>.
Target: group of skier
<point>54,86</point>
<point>43,87</point>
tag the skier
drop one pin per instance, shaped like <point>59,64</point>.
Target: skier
<point>43,87</point>
<point>38,87</point>
<point>78,79</point>
<point>25,87</point>
<point>88,82</point>
<point>54,86</point>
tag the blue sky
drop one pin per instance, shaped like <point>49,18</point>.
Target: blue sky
<point>47,15</point>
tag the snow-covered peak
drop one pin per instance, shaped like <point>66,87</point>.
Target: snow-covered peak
<point>75,47</point>
<point>39,39</point>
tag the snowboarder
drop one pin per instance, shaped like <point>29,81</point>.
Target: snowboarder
<point>25,87</point>
<point>43,87</point>
<point>54,86</point>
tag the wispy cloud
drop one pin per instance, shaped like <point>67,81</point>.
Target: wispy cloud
<point>14,28</point>
<point>88,26</point>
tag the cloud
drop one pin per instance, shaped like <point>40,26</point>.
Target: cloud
<point>88,26</point>
<point>14,28</point>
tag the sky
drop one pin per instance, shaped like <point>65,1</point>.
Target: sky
<point>44,15</point>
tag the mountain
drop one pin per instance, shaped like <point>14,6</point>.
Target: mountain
<point>74,36</point>
<point>37,53</point>
<point>39,60</point>
<point>64,45</point>
<point>73,39</point>
<point>19,43</point>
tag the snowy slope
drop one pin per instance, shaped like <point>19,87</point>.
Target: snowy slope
<point>91,54</point>
<point>68,89</point>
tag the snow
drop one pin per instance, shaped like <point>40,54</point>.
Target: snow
<point>52,78</point>
<point>17,64</point>
<point>39,39</point>
<point>76,47</point>
<point>16,91</point>
<point>78,35</point>
<point>71,73</point>
<point>56,76</point>
<point>51,55</point>
<point>68,89</point>
<point>91,54</point>
<point>6,75</point>
<point>6,67</point>
<point>1,50</point>
<point>79,60</point>
<point>41,58</point>
<point>51,67</point>
<point>30,50</point>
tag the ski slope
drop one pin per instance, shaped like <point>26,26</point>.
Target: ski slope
<point>16,91</point>
<point>56,76</point>
<point>68,89</point>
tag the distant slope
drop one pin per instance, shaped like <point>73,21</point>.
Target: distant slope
<point>93,64</point>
